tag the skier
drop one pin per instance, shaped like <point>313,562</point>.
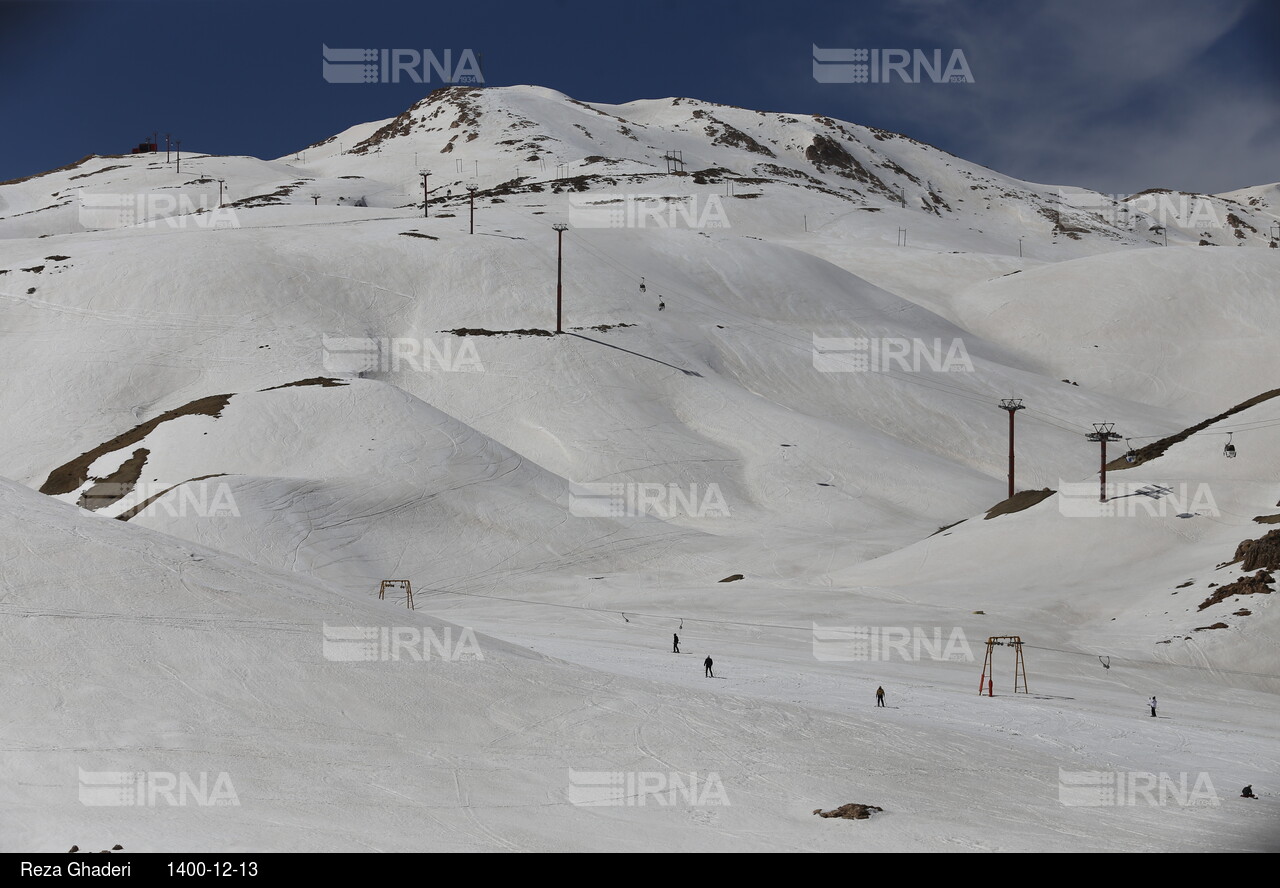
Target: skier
<point>661,305</point>
<point>707,663</point>
<point>675,643</point>
<point>1152,704</point>
<point>880,696</point>
<point>1247,792</point>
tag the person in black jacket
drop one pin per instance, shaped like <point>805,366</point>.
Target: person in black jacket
<point>675,643</point>
<point>707,663</point>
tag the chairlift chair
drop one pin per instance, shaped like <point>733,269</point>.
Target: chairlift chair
<point>1230,450</point>
<point>1132,455</point>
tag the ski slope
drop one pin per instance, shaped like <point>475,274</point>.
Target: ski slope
<point>178,365</point>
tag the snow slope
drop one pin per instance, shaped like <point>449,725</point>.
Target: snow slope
<point>179,365</point>
<point>216,668</point>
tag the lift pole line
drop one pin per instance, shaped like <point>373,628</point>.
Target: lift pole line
<point>559,229</point>
<point>1013,405</point>
<point>1102,433</point>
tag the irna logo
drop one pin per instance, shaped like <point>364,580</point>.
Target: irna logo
<point>392,65</point>
<point>366,644</point>
<point>392,354</point>
<point>151,788</point>
<point>593,789</point>
<point>647,211</point>
<point>882,65</point>
<point>632,500</point>
<point>884,354</point>
<point>1100,789</point>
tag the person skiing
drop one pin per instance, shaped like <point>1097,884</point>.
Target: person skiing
<point>707,663</point>
<point>1152,704</point>
<point>675,643</point>
<point>661,305</point>
<point>880,696</point>
<point>1247,792</point>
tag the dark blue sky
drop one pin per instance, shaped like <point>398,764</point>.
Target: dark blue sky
<point>1117,95</point>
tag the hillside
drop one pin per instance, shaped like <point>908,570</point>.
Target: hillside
<point>290,393</point>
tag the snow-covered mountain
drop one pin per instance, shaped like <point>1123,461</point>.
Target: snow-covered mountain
<point>281,371</point>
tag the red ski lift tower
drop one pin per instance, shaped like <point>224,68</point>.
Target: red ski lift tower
<point>1019,665</point>
<point>1013,405</point>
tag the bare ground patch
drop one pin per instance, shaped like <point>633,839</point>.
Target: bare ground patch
<point>1259,553</point>
<point>117,485</point>
<point>1258,584</point>
<point>851,811</point>
<point>71,476</point>
<point>323,381</point>
<point>480,331</point>
<point>1023,499</point>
